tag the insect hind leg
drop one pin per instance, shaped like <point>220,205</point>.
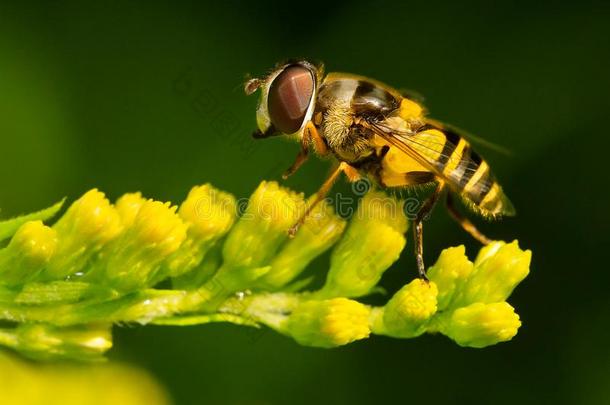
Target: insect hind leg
<point>464,222</point>
<point>418,228</point>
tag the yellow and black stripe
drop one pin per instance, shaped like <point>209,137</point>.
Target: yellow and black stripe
<point>470,176</point>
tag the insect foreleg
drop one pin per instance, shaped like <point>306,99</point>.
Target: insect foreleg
<point>310,134</point>
<point>319,143</point>
<point>418,228</point>
<point>321,194</point>
<point>301,157</point>
<point>465,222</point>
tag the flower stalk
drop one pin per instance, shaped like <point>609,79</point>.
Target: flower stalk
<point>63,285</point>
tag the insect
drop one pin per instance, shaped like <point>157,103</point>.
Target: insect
<point>376,131</point>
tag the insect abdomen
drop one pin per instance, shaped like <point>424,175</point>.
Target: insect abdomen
<point>486,193</point>
<point>472,177</point>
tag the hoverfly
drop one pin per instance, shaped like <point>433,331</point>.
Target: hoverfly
<point>375,131</point>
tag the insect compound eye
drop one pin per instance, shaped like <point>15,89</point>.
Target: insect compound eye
<point>289,97</point>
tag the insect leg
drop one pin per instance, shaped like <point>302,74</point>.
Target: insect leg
<point>310,134</point>
<point>320,195</point>
<point>318,142</point>
<point>465,222</point>
<point>418,228</point>
<point>301,157</point>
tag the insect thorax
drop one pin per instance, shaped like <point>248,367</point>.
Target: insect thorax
<point>344,102</point>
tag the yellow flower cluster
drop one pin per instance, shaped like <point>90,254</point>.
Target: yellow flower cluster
<point>136,256</point>
<point>130,245</point>
<point>474,311</point>
<point>463,301</point>
<point>103,263</point>
<point>372,242</point>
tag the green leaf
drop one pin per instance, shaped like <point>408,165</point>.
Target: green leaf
<point>10,226</point>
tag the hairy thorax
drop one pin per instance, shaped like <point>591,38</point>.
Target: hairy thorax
<point>339,127</point>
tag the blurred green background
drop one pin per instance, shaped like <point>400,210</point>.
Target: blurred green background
<point>147,96</point>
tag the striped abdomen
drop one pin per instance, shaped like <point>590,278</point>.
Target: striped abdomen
<point>465,171</point>
<point>445,155</point>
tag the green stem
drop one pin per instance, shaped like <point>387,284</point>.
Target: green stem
<point>139,307</point>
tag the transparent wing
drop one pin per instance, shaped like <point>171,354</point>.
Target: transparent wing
<point>471,137</point>
<point>450,158</point>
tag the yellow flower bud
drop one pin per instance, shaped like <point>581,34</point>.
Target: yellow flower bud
<point>128,207</point>
<point>209,212</point>
<point>407,312</point>
<point>328,323</point>
<point>373,241</point>
<point>481,325</point>
<point>29,251</point>
<point>497,271</point>
<point>91,218</point>
<point>157,227</point>
<point>136,257</point>
<point>257,235</point>
<point>277,205</point>
<point>379,207</point>
<point>321,230</point>
<point>450,273</point>
<point>254,240</point>
<point>89,224</point>
<point>36,242</point>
